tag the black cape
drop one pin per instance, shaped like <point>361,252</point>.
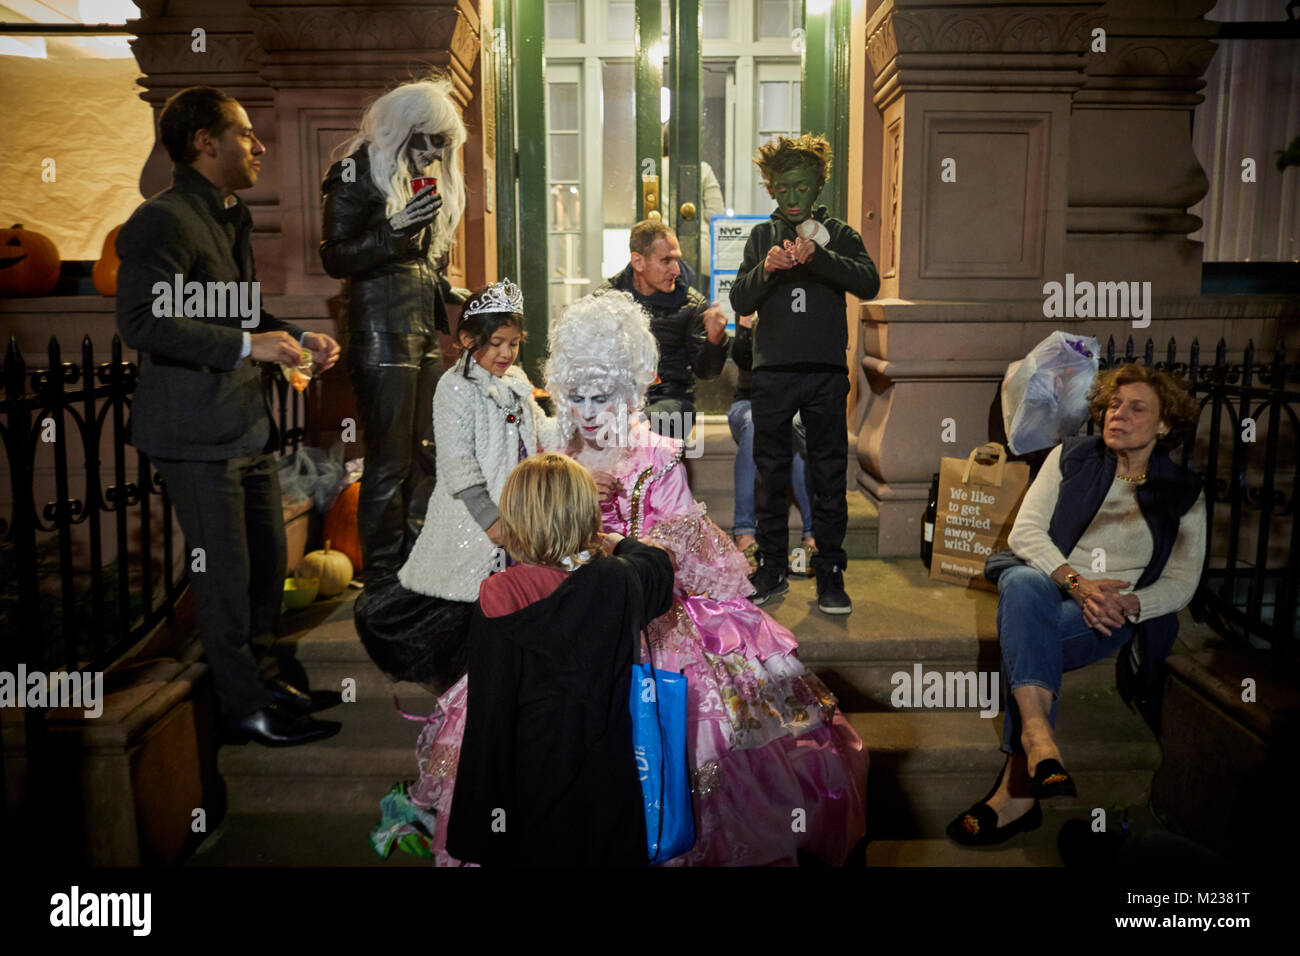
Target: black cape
<point>547,775</point>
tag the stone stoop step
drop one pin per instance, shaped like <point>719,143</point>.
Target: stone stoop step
<point>348,773</point>
<point>927,764</point>
<point>326,839</point>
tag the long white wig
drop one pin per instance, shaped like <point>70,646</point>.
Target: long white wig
<point>422,106</point>
<point>603,340</point>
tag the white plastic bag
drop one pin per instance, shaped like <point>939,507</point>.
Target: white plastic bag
<point>315,474</point>
<point>1045,394</point>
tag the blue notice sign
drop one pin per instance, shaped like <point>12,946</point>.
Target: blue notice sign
<point>729,235</point>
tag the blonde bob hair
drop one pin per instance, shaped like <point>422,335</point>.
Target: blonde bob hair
<point>549,510</point>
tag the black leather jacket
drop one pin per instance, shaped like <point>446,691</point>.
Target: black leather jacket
<point>677,321</point>
<point>395,296</point>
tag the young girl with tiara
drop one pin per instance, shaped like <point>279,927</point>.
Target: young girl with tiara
<point>414,625</point>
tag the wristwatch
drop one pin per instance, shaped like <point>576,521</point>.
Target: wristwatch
<point>1071,583</point>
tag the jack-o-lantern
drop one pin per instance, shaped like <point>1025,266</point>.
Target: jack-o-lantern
<point>105,272</point>
<point>29,263</point>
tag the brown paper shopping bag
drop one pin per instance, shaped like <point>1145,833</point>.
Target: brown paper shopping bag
<point>978,499</point>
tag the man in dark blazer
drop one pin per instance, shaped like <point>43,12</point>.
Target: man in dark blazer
<point>189,301</point>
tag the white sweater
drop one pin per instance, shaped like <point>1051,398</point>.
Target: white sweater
<point>1120,534</point>
<point>475,446</point>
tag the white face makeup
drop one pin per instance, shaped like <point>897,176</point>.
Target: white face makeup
<point>423,149</point>
<point>595,414</point>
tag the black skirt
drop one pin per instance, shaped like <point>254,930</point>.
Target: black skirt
<point>411,636</point>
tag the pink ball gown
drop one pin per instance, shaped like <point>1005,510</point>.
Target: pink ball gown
<point>776,768</point>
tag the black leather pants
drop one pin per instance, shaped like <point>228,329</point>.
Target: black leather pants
<point>394,377</point>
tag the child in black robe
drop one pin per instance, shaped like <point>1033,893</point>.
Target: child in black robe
<point>547,775</point>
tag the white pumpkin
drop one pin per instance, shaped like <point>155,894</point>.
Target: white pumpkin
<point>332,567</point>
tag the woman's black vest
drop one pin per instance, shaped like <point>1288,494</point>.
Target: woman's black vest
<point>1087,472</point>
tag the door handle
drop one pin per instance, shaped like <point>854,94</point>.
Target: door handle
<point>649,197</point>
<point>688,210</point>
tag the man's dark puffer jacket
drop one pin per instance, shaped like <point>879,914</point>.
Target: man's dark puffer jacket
<point>677,322</point>
<point>395,296</point>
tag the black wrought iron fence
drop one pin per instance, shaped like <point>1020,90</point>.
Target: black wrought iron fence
<point>62,604</point>
<point>1246,450</point>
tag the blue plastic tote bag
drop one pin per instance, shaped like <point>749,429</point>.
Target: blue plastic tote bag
<point>658,703</point>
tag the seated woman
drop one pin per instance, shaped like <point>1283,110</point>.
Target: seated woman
<point>546,774</point>
<point>1112,505</point>
<point>777,770</point>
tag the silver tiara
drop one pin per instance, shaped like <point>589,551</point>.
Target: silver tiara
<point>503,296</point>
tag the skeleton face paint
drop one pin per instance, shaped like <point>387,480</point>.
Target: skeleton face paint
<point>424,149</point>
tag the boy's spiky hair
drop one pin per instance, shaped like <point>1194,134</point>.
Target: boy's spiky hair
<point>782,154</point>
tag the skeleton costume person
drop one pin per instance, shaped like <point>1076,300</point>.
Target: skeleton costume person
<point>389,246</point>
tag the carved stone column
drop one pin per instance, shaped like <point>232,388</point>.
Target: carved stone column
<point>975,99</point>
<point>1133,174</point>
<point>1018,149</point>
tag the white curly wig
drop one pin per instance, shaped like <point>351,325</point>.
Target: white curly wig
<point>603,339</point>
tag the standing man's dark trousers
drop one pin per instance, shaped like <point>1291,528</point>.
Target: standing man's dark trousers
<point>819,397</point>
<point>394,377</point>
<point>231,510</point>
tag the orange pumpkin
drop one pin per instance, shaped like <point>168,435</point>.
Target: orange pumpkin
<point>105,271</point>
<point>29,263</point>
<point>341,524</point>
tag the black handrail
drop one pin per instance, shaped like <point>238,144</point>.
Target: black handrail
<point>83,615</point>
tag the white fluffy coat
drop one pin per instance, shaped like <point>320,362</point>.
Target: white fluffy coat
<point>475,445</point>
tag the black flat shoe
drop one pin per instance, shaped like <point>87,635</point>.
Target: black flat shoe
<point>978,826</point>
<point>276,725</point>
<point>1052,780</point>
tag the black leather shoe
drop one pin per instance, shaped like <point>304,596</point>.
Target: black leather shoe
<point>277,726</point>
<point>286,693</point>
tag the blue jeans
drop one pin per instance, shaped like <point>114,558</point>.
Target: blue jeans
<point>741,421</point>
<point>1042,635</point>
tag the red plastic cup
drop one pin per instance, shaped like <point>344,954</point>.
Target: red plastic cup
<point>420,182</point>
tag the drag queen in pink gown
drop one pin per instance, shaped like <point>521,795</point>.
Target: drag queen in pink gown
<point>776,768</point>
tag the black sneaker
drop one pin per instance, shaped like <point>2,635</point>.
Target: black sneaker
<point>831,596</point>
<point>768,583</point>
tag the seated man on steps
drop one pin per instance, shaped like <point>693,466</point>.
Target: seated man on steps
<point>692,334</point>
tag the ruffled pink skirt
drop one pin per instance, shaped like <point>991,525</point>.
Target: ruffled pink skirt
<point>776,768</point>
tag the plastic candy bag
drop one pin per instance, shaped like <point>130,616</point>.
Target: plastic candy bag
<point>313,473</point>
<point>1045,394</point>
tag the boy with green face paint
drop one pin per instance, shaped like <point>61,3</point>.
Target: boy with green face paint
<point>796,270</point>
